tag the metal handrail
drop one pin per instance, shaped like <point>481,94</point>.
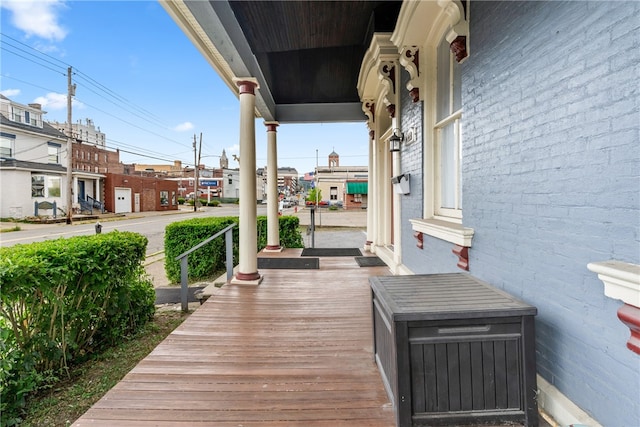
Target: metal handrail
<point>184,266</point>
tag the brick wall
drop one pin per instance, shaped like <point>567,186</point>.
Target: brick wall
<point>551,164</point>
<point>84,159</point>
<point>436,255</point>
<point>148,188</point>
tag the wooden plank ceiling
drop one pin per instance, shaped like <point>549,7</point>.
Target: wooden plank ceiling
<point>311,51</point>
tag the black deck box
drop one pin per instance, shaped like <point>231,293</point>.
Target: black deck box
<point>453,350</point>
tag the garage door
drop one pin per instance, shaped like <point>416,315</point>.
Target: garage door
<point>123,200</point>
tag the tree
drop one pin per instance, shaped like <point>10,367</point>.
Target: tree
<point>314,196</point>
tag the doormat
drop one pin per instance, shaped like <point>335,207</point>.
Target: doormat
<point>289,263</point>
<point>331,252</point>
<point>172,295</point>
<point>370,261</point>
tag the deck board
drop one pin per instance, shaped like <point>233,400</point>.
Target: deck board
<point>294,351</point>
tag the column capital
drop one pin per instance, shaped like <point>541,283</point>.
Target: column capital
<point>271,126</point>
<point>247,85</point>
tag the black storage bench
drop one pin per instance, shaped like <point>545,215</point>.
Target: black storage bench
<point>453,350</point>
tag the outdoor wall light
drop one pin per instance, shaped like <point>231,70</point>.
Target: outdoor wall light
<point>395,140</point>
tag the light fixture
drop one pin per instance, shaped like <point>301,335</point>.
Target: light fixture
<point>395,140</point>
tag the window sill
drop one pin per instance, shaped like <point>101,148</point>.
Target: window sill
<point>444,230</point>
<point>621,280</point>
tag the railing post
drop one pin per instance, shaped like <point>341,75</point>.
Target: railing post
<point>228,240</point>
<point>183,283</point>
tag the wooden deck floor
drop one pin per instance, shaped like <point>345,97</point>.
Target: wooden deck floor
<point>294,351</point>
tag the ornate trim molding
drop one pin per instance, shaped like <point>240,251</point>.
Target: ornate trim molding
<point>369,109</point>
<point>458,34</point>
<point>410,60</point>
<point>622,281</point>
<point>462,252</point>
<point>271,126</point>
<point>630,316</point>
<point>387,77</point>
<point>444,230</point>
<point>247,85</point>
<point>391,109</point>
<point>459,48</point>
<point>420,241</point>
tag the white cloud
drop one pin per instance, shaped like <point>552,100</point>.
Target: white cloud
<point>56,101</point>
<point>234,148</point>
<point>9,93</point>
<point>183,127</point>
<point>37,17</point>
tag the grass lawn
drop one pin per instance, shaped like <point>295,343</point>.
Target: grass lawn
<point>67,400</point>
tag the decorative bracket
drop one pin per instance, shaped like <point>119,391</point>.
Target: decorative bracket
<point>387,76</point>
<point>369,109</point>
<point>420,239</point>
<point>410,60</point>
<point>459,32</point>
<point>462,252</point>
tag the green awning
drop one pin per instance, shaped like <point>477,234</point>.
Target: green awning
<point>357,187</point>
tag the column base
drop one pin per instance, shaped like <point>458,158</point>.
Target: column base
<point>272,248</point>
<point>252,279</point>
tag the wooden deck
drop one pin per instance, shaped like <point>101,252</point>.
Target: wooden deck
<point>294,351</point>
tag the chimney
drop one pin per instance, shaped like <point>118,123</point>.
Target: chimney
<point>36,106</point>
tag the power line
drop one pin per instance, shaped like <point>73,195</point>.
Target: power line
<point>125,104</point>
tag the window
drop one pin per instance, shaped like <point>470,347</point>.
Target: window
<point>164,198</point>
<point>53,186</point>
<point>37,186</point>
<point>18,115</point>
<point>96,157</point>
<point>7,144</point>
<point>53,152</point>
<point>27,117</point>
<point>333,193</point>
<point>448,150</point>
<point>45,186</point>
<point>357,198</point>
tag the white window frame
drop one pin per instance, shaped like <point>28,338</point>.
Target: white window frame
<point>10,141</point>
<point>51,156</point>
<point>441,212</point>
<point>441,223</point>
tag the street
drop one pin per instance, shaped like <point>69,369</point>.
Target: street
<point>149,224</point>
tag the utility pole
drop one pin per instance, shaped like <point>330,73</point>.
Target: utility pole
<point>71,91</point>
<point>195,175</point>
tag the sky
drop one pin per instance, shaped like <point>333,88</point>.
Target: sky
<point>142,82</point>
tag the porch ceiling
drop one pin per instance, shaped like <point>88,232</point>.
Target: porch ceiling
<point>306,55</point>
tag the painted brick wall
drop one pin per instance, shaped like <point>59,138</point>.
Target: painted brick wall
<point>551,179</point>
<point>436,255</point>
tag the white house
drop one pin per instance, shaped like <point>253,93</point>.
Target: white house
<point>32,155</point>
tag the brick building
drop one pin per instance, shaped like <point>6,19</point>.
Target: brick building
<point>132,193</point>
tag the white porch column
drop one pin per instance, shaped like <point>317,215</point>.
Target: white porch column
<point>98,195</point>
<point>75,191</point>
<point>248,262</point>
<point>370,198</point>
<point>273,223</point>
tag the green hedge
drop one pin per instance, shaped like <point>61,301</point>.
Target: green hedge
<point>63,300</point>
<point>210,259</point>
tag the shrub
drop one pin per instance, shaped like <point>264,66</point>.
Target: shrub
<point>181,200</point>
<point>63,300</point>
<point>182,236</point>
<point>210,259</point>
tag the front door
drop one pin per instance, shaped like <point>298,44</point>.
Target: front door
<point>81,191</point>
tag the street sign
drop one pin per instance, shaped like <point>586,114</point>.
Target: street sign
<point>208,183</point>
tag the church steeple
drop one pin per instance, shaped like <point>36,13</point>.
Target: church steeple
<point>334,160</point>
<point>224,162</point>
